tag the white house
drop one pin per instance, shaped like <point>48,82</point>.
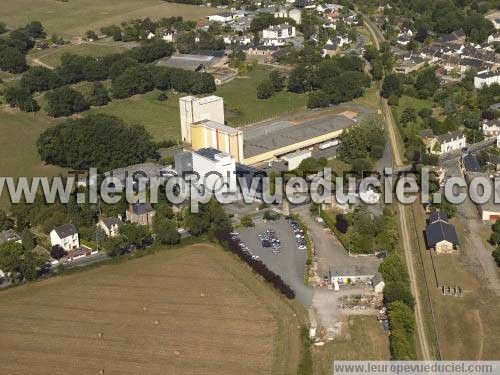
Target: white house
<point>110,226</point>
<point>403,40</point>
<point>279,31</point>
<point>486,78</point>
<point>221,17</point>
<point>329,25</point>
<point>491,128</point>
<point>322,8</point>
<point>151,35</point>
<point>274,42</point>
<point>65,236</point>
<point>493,38</point>
<point>451,141</point>
<point>296,15</point>
<point>168,35</point>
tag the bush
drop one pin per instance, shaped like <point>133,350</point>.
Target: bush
<point>341,223</point>
<point>265,89</point>
<point>496,256</point>
<point>98,95</point>
<point>247,221</point>
<point>317,99</point>
<point>271,215</point>
<point>57,252</point>
<point>65,101</point>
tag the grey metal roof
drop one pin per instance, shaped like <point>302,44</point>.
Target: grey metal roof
<point>66,230</point>
<point>294,134</point>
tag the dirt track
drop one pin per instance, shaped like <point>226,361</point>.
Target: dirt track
<point>404,228</point>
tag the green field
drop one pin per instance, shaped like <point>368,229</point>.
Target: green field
<point>365,340</point>
<point>411,102</point>
<point>75,17</point>
<point>240,98</point>
<point>17,146</point>
<point>52,56</point>
<point>160,118</point>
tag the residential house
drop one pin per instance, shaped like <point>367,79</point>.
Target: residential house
<point>491,128</point>
<point>9,235</point>
<point>150,35</point>
<point>449,142</point>
<point>494,38</point>
<point>169,35</point>
<point>486,78</point>
<point>65,236</point>
<point>457,36</point>
<point>403,40</point>
<point>440,235</point>
<point>329,50</point>
<point>273,42</point>
<point>222,17</point>
<point>296,15</point>
<point>140,213</point>
<point>281,31</point>
<point>110,226</point>
<point>329,25</point>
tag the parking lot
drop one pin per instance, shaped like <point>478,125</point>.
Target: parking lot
<point>286,260</point>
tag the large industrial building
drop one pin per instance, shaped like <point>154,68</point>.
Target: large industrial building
<point>202,126</point>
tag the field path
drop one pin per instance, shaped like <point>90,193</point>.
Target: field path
<point>403,224</point>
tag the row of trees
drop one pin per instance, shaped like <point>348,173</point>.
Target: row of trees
<point>257,265</point>
<point>399,302</point>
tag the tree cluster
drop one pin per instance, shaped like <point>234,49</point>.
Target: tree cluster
<point>339,79</point>
<point>100,141</point>
<point>365,141</point>
<point>14,47</point>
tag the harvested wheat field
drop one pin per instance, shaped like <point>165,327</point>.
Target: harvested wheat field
<point>193,310</point>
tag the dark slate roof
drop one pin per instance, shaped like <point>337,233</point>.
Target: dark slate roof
<point>427,133</point>
<point>66,230</point>
<point>440,231</point>
<point>471,164</point>
<point>448,137</point>
<point>142,208</point>
<point>437,215</point>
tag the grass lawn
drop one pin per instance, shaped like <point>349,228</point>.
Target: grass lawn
<point>74,18</point>
<point>240,98</point>
<point>411,102</point>
<point>52,56</point>
<point>18,152</point>
<point>365,340</point>
<point>196,309</point>
<point>160,118</point>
